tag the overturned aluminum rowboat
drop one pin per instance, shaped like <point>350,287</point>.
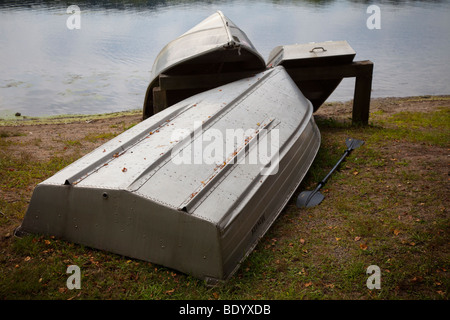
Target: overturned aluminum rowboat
<point>171,191</point>
<point>214,46</point>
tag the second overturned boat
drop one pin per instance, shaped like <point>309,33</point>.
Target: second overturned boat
<point>193,187</point>
<point>297,58</point>
<point>214,46</point>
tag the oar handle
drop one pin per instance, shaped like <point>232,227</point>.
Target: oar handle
<point>346,153</point>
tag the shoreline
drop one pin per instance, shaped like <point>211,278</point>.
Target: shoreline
<point>63,118</point>
<point>12,120</point>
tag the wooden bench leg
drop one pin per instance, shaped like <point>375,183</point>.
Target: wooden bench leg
<point>159,100</point>
<point>361,99</point>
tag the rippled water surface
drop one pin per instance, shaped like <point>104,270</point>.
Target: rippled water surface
<point>48,69</point>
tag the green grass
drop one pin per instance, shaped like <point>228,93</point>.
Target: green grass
<point>432,128</point>
<point>20,175</point>
<point>385,206</point>
<point>7,134</point>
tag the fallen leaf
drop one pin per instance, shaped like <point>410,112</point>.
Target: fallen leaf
<point>28,258</point>
<point>396,232</point>
<point>216,295</point>
<point>363,246</point>
<point>357,238</point>
<point>355,173</point>
<point>337,239</point>
<point>170,291</point>
<point>308,284</point>
<point>302,241</point>
<point>47,242</point>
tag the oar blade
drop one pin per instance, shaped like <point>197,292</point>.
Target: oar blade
<point>308,199</point>
<point>353,143</point>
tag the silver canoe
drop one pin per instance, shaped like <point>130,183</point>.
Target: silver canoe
<point>216,45</point>
<point>170,191</point>
<point>297,56</point>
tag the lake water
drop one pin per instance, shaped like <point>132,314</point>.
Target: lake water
<point>48,69</point>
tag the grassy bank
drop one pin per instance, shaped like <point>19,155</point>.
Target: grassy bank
<point>386,206</point>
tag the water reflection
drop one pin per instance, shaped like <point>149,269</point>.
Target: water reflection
<point>105,66</point>
<point>129,5</point>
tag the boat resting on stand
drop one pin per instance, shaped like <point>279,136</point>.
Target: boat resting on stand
<point>214,46</point>
<point>161,192</point>
<point>315,54</point>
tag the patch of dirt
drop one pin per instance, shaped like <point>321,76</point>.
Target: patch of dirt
<point>41,142</point>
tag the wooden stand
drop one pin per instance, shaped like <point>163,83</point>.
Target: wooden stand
<point>175,88</point>
<point>362,70</point>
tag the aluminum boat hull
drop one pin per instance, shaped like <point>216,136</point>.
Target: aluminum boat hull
<point>215,45</point>
<point>146,194</point>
